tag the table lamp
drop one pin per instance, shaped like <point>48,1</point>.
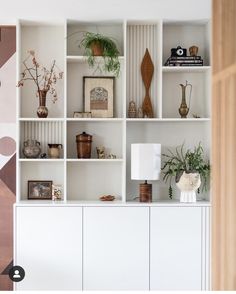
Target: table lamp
<point>145,165</point>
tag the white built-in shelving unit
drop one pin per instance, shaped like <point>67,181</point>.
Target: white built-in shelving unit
<point>86,180</point>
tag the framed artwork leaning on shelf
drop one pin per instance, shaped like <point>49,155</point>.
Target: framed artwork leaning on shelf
<point>40,190</point>
<point>98,96</point>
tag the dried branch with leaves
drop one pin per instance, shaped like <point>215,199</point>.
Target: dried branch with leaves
<point>44,79</point>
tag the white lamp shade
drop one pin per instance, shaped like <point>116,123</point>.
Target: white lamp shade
<point>145,161</point>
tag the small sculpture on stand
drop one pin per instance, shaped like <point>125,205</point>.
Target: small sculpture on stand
<point>184,109</point>
<point>147,69</point>
<point>132,109</point>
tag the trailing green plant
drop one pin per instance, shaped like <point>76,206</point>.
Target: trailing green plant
<point>177,162</point>
<point>110,51</point>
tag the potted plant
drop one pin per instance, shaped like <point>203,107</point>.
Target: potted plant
<point>189,169</point>
<point>96,44</point>
<point>44,79</point>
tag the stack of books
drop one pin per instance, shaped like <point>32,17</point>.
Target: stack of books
<point>184,61</point>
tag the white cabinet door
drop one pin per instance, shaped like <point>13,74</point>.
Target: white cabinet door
<point>49,247</point>
<point>116,248</point>
<point>175,249</point>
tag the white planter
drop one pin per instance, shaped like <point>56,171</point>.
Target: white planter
<point>188,185</point>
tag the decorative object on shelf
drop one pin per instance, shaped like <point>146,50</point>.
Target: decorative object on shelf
<point>100,152</point>
<point>185,168</point>
<point>54,150</point>
<point>107,198</point>
<point>98,96</point>
<point>179,57</point>
<point>78,114</point>
<point>140,112</point>
<point>193,51</point>
<point>111,156</point>
<point>31,149</point>
<point>45,81</point>
<point>184,109</point>
<point>132,109</point>
<point>145,165</point>
<point>188,185</point>
<point>56,192</point>
<point>147,69</point>
<point>43,155</point>
<point>39,190</point>
<point>95,44</point>
<point>84,145</point>
<point>195,115</point>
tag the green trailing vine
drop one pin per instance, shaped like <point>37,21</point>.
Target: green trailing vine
<point>177,162</point>
<point>110,52</point>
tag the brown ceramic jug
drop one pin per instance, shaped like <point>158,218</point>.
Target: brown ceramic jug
<point>84,145</point>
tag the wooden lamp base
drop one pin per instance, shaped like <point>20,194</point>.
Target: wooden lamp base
<point>145,192</point>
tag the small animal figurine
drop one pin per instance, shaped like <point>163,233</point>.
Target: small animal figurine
<point>100,152</point>
<point>132,109</point>
<point>111,156</point>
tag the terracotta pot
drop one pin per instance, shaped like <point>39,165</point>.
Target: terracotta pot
<point>84,145</point>
<point>42,110</point>
<point>97,48</point>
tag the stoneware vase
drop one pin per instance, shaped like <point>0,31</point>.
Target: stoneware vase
<point>42,110</point>
<point>54,150</point>
<point>188,184</point>
<point>31,149</point>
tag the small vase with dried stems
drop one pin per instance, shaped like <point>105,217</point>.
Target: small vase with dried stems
<point>44,79</point>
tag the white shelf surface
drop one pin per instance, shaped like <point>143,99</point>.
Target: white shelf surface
<point>41,160</point>
<point>79,58</point>
<point>205,119</point>
<point>37,119</point>
<point>185,69</point>
<point>115,119</point>
<point>94,160</point>
<point>111,203</point>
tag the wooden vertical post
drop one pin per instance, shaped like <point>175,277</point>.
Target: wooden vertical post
<point>224,146</point>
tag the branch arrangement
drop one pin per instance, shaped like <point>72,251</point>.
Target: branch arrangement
<point>44,79</point>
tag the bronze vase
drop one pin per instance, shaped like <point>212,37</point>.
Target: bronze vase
<point>184,109</point>
<point>84,145</point>
<point>42,110</point>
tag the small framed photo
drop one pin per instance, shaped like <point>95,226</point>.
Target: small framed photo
<point>99,96</point>
<point>40,190</point>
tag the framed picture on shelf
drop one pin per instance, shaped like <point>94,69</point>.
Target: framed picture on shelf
<point>98,96</point>
<point>40,190</point>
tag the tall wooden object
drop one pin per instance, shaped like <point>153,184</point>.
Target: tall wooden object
<point>147,69</point>
<point>224,146</point>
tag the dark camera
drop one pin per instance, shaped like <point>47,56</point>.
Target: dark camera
<point>178,52</point>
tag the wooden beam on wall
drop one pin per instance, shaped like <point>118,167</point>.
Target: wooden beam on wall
<point>224,146</point>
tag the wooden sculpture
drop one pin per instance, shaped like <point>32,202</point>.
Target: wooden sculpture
<point>147,69</point>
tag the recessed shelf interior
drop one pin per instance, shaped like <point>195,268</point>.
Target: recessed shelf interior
<point>139,38</point>
<point>47,42</point>
<point>172,94</point>
<point>187,34</point>
<point>107,134</point>
<point>40,171</point>
<point>75,30</point>
<point>89,181</point>
<point>75,99</point>
<point>169,135</point>
<point>49,132</point>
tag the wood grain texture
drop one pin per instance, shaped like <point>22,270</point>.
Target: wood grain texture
<point>224,146</point>
<point>147,69</point>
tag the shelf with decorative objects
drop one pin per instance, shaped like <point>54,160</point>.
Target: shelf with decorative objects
<point>107,104</point>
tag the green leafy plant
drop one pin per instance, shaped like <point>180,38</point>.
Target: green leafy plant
<point>110,53</point>
<point>177,162</point>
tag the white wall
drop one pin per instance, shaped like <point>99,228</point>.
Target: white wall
<point>104,9</point>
